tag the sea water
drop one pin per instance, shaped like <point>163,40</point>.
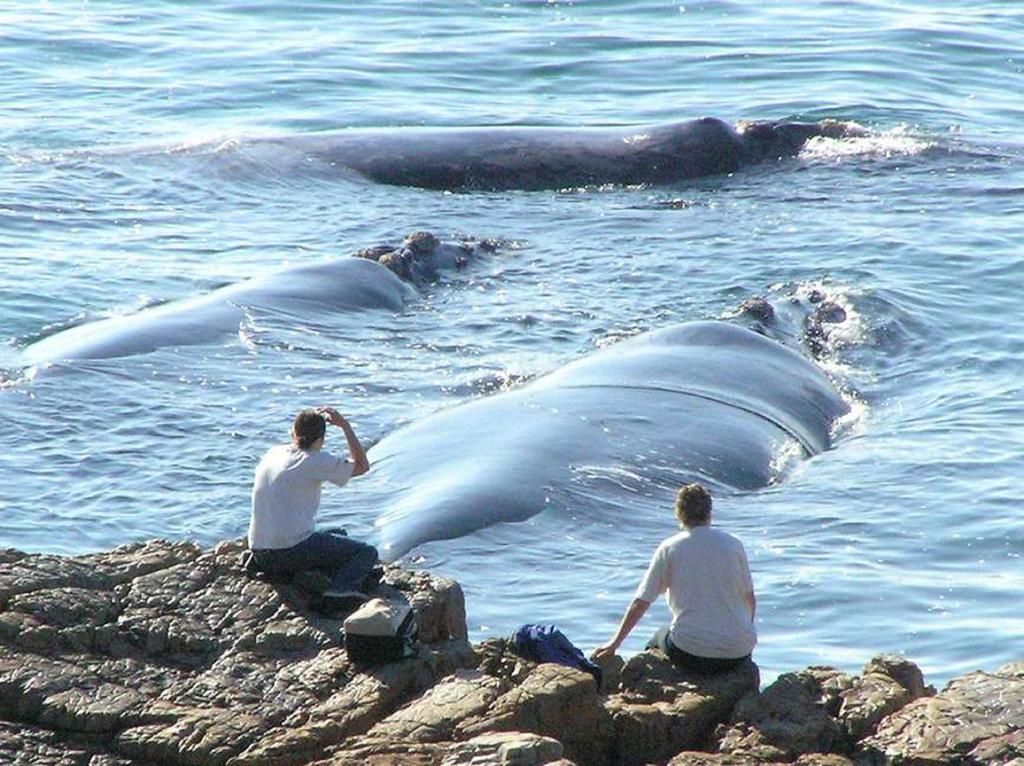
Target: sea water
<point>127,180</point>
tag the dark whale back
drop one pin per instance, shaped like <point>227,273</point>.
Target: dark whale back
<point>533,158</point>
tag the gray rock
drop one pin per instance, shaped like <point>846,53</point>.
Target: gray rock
<point>497,657</point>
<point>68,607</point>
<point>795,715</point>
<point>872,697</point>
<point>1011,669</point>
<point>700,758</point>
<point>26,745</point>
<point>506,749</point>
<point>902,671</point>
<point>28,573</point>
<point>650,677</point>
<point>611,672</point>
<point>199,608</point>
<point>887,684</point>
<point>35,573</point>
<point>78,694</point>
<point>509,748</point>
<point>207,737</point>
<point>553,701</point>
<point>274,688</point>
<point>290,636</point>
<point>375,752</point>
<point>438,603</point>
<point>359,702</point>
<point>162,653</point>
<point>661,711</point>
<point>10,555</point>
<point>823,759</point>
<point>434,716</point>
<point>977,718</point>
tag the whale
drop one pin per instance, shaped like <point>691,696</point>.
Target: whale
<point>536,158</point>
<point>377,278</point>
<point>709,401</point>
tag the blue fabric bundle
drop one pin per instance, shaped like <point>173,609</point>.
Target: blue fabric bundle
<point>546,643</point>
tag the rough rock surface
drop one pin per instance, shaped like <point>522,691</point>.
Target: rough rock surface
<point>886,685</point>
<point>794,716</point>
<point>977,718</point>
<point>658,711</point>
<point>164,653</point>
<point>434,716</point>
<point>819,711</point>
<point>553,701</point>
<point>511,748</point>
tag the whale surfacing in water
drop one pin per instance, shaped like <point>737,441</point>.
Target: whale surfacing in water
<point>554,158</point>
<point>708,401</point>
<point>377,279</point>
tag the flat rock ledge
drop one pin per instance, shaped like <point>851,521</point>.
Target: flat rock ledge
<point>165,653</point>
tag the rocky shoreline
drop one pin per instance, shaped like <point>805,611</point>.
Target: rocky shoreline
<point>165,653</point>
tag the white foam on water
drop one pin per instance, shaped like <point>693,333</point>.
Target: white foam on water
<point>248,330</point>
<point>785,461</point>
<point>636,138</point>
<point>213,142</point>
<point>899,142</point>
<point>852,331</point>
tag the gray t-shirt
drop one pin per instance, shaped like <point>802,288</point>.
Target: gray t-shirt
<point>286,494</point>
<point>706,574</point>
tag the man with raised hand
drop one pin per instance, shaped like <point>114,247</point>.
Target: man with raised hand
<point>285,498</point>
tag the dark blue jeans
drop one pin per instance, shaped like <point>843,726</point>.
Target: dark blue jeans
<point>346,561</point>
<point>692,662</point>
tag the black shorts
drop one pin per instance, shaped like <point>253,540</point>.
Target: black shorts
<point>692,663</point>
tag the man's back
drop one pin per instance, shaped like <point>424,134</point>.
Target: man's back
<point>286,494</point>
<point>708,578</point>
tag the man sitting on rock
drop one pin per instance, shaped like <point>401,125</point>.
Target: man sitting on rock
<point>285,499</point>
<point>710,593</point>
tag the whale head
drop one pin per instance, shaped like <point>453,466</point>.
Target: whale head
<point>422,257</point>
<point>774,140</point>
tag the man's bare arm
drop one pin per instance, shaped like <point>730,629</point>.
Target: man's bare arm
<point>633,614</point>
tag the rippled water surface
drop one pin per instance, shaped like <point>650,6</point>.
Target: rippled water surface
<point>127,178</point>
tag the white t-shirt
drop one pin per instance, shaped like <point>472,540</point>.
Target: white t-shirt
<point>286,494</point>
<point>706,574</point>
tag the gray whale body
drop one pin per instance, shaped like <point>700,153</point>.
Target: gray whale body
<point>378,279</point>
<point>555,158</point>
<point>707,401</point>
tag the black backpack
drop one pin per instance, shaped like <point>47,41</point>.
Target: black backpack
<point>380,631</point>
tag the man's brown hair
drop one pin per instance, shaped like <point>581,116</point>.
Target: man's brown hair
<point>309,426</point>
<point>693,505</point>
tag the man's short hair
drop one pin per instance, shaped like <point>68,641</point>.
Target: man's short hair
<point>309,426</point>
<point>693,505</point>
